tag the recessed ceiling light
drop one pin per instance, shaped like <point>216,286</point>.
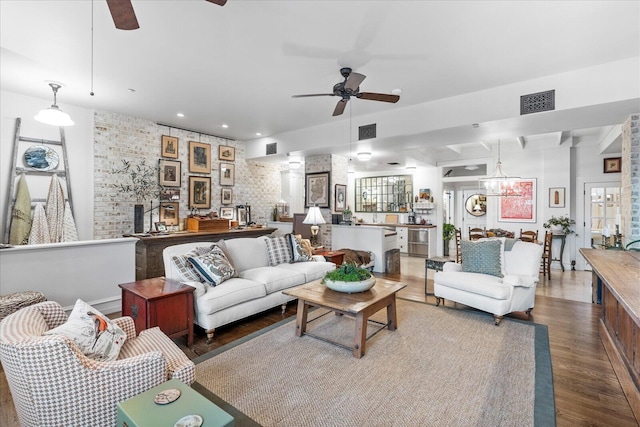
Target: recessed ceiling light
<point>224,125</point>
<point>397,91</point>
<point>258,134</point>
<point>475,125</point>
<point>180,114</point>
<point>131,90</point>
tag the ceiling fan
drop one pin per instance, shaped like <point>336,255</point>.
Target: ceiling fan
<point>351,87</point>
<point>125,18</point>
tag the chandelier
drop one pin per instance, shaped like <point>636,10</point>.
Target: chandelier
<point>499,183</point>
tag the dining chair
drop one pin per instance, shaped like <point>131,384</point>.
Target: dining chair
<point>477,233</point>
<point>546,255</point>
<point>458,248</point>
<point>529,236</point>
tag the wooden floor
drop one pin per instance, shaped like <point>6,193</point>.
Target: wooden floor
<point>587,391</point>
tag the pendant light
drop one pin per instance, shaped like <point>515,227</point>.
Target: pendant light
<point>499,183</point>
<point>54,115</point>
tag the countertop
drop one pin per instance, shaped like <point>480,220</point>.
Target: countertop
<point>383,224</point>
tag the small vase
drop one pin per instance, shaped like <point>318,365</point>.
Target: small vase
<point>138,219</point>
<point>445,248</point>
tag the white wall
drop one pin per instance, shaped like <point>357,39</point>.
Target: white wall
<point>79,141</point>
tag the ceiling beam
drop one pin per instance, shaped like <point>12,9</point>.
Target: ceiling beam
<point>485,146</point>
<point>455,148</point>
<point>611,137</point>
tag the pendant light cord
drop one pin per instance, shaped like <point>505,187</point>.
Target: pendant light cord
<point>91,93</point>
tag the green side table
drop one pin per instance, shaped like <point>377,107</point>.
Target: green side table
<point>141,410</point>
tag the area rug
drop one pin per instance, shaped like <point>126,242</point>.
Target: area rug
<point>441,367</point>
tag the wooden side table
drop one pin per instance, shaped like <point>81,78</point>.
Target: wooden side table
<point>336,257</point>
<point>160,302</point>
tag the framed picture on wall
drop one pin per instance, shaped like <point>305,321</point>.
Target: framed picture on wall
<point>226,213</point>
<point>522,208</point>
<point>613,165</point>
<point>199,157</point>
<point>226,196</point>
<point>169,147</point>
<point>341,197</point>
<point>227,173</point>
<point>317,190</point>
<point>556,197</point>
<point>226,153</point>
<point>241,215</point>
<point>199,192</point>
<point>170,213</point>
<point>169,172</point>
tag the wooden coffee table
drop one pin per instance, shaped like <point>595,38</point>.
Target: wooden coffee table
<point>359,305</point>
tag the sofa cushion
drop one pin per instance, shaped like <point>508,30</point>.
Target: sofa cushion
<point>476,283</point>
<point>95,334</point>
<point>186,270</point>
<point>233,291</point>
<point>274,278</point>
<point>247,252</point>
<point>311,270</point>
<point>481,257</point>
<point>213,267</point>
<point>299,252</point>
<point>279,250</point>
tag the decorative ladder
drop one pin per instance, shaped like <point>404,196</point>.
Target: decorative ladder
<point>16,171</point>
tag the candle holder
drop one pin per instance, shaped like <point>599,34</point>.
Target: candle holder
<point>617,238</point>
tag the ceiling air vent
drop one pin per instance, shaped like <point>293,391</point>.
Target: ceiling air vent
<point>393,163</point>
<point>272,148</point>
<point>367,132</point>
<point>537,102</point>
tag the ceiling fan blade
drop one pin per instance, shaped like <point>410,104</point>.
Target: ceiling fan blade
<point>378,97</point>
<point>354,80</point>
<point>123,15</point>
<point>340,107</point>
<point>218,2</point>
<point>312,94</point>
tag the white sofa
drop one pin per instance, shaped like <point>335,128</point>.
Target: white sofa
<point>497,295</point>
<point>257,288</point>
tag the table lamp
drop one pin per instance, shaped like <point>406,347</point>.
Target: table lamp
<point>314,217</point>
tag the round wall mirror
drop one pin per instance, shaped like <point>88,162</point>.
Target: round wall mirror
<point>476,204</point>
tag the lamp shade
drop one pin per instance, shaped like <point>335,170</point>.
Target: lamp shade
<point>314,216</point>
<point>54,116</point>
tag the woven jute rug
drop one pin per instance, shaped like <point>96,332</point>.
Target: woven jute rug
<point>441,367</point>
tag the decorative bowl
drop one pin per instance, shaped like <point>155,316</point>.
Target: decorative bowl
<point>350,287</point>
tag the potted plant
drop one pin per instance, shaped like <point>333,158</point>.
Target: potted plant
<point>349,278</point>
<point>346,214</point>
<point>448,233</point>
<point>141,181</point>
<point>560,225</point>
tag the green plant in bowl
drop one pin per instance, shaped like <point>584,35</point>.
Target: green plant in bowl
<point>349,278</point>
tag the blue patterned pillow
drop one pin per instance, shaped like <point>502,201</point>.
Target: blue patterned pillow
<point>481,257</point>
<point>213,267</point>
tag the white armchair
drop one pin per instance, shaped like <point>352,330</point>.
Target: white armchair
<point>515,291</point>
<point>54,384</point>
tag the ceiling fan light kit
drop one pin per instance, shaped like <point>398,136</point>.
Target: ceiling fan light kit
<point>351,87</point>
<point>53,115</point>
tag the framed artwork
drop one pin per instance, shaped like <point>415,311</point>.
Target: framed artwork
<point>227,173</point>
<point>241,215</point>
<point>226,153</point>
<point>316,190</point>
<point>170,172</point>
<point>199,157</point>
<point>161,227</point>
<point>199,192</point>
<point>226,213</point>
<point>613,165</point>
<point>226,197</point>
<point>170,213</point>
<point>522,208</point>
<point>341,197</point>
<point>556,197</point>
<point>169,147</point>
<point>170,194</point>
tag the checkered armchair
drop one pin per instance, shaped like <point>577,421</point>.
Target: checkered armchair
<point>54,384</point>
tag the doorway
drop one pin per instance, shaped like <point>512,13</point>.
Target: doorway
<point>601,212</point>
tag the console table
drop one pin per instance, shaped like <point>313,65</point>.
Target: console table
<point>149,262</point>
<point>619,274</point>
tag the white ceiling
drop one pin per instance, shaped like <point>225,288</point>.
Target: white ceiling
<point>239,64</point>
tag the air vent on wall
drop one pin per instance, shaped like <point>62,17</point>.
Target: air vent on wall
<point>367,132</point>
<point>272,148</point>
<point>537,102</point>
<point>393,163</point>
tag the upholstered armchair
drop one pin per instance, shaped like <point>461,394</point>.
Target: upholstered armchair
<point>497,275</point>
<point>54,384</point>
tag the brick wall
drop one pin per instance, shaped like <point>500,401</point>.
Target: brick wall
<point>118,136</point>
<point>630,204</point>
